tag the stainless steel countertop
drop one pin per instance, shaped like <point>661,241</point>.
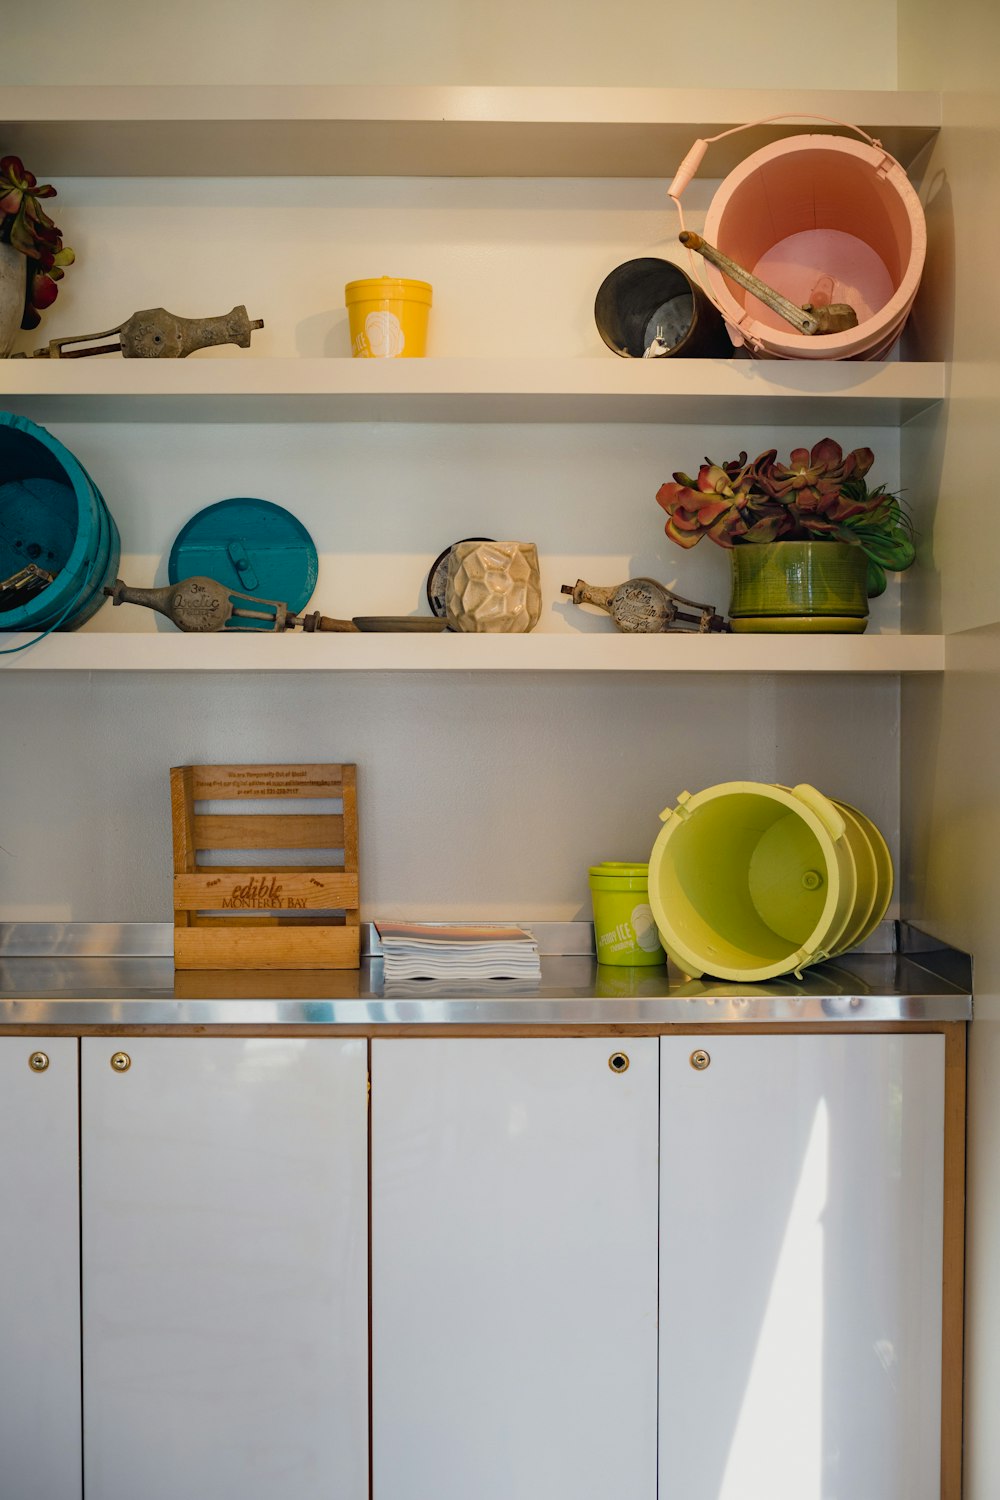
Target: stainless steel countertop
<point>55,976</point>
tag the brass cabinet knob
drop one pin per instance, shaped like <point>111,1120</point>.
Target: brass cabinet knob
<point>618,1062</point>
<point>38,1062</point>
<point>121,1062</point>
<point>700,1060</point>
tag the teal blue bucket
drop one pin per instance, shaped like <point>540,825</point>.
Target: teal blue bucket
<point>52,514</point>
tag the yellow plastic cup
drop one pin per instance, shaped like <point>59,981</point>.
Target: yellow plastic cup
<point>388,317</point>
<point>624,929</point>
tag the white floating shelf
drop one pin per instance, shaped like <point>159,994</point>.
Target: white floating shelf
<point>97,651</point>
<point>601,389</point>
<point>238,130</point>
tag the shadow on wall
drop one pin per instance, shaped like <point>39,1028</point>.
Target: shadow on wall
<point>325,335</point>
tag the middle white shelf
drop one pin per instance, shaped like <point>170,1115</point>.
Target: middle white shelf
<point>574,390</point>
<point>167,651</point>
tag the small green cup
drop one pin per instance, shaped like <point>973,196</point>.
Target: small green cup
<point>624,927</point>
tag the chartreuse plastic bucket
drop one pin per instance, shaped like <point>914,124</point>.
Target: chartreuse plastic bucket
<point>52,514</point>
<point>748,880</point>
<point>388,317</point>
<point>624,929</point>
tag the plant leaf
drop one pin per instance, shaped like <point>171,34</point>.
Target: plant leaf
<point>876,579</point>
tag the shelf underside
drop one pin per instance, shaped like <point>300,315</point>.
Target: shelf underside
<point>237,130</point>
<point>234,389</point>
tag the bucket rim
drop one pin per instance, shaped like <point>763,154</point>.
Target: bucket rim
<point>860,913</point>
<point>620,867</point>
<point>613,882</point>
<point>885,867</point>
<point>388,289</point>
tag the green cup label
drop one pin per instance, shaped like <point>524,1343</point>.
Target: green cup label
<point>635,933</point>
<point>644,926</point>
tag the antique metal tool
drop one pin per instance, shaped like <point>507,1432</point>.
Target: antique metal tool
<point>834,317</point>
<point>158,334</point>
<point>202,604</point>
<point>643,606</point>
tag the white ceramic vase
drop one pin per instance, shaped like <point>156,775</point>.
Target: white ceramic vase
<point>13,268</point>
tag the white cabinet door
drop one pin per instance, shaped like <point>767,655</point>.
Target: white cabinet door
<point>39,1270</point>
<point>514,1230</point>
<point>225,1269</point>
<point>800,1268</point>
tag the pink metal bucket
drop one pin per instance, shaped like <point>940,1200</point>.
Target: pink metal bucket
<point>820,218</point>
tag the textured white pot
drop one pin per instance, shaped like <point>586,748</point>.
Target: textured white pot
<point>494,586</point>
<point>13,268</point>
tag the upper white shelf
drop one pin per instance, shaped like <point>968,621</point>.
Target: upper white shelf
<point>602,389</point>
<point>170,651</point>
<point>238,130</point>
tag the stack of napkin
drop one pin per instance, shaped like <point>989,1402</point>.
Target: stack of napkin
<point>439,950</point>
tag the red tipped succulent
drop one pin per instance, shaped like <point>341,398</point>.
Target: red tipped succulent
<point>26,226</point>
<point>819,494</point>
<point>706,506</point>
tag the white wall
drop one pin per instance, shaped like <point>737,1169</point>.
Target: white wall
<point>959,307</point>
<point>654,42</point>
<point>951,792</point>
<point>480,795</point>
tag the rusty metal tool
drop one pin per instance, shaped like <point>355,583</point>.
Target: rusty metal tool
<point>158,334</point>
<point>202,604</point>
<point>836,317</point>
<point>642,606</point>
<point>22,586</point>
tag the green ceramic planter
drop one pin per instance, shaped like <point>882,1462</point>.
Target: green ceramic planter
<point>799,586</point>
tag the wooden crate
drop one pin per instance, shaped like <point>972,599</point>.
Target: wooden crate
<point>264,915</point>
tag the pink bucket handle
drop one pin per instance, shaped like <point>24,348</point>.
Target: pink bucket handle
<point>693,161</point>
<point>695,156</point>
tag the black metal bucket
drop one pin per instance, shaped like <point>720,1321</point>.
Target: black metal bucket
<point>651,304</point>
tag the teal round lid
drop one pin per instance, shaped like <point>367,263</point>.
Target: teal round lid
<point>253,546</point>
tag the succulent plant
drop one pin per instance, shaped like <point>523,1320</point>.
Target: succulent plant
<point>819,494</point>
<point>26,226</point>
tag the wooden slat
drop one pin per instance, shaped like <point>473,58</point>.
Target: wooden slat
<point>322,780</point>
<point>350,845</point>
<point>953,1267</point>
<point>298,947</point>
<point>182,819</point>
<point>245,919</point>
<point>269,831</point>
<point>335,867</point>
<point>255,890</point>
<point>182,816</point>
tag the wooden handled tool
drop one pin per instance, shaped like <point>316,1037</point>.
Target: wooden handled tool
<point>810,319</point>
<point>201,604</point>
